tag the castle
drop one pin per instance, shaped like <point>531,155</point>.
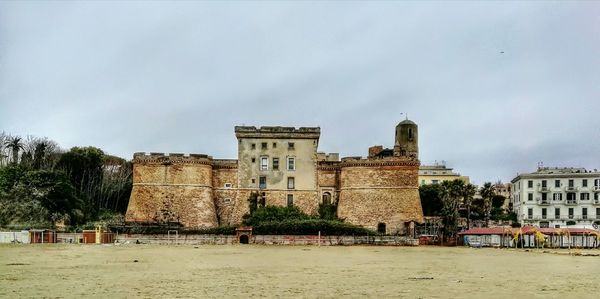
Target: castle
<point>283,166</point>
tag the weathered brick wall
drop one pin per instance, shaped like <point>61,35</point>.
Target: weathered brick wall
<point>225,198</point>
<point>173,188</point>
<point>380,191</point>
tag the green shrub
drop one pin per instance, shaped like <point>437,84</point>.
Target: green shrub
<point>274,214</point>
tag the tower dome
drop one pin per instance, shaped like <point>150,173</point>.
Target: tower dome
<point>407,139</point>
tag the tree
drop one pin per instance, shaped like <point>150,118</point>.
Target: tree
<point>451,194</point>
<point>431,199</point>
<point>15,145</point>
<point>487,193</point>
<point>468,192</point>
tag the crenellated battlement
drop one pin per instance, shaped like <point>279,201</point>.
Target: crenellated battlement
<point>171,158</point>
<point>277,132</point>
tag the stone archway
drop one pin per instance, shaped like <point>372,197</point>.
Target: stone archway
<point>244,239</point>
<point>326,198</point>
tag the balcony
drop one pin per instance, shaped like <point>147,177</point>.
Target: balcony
<point>543,202</point>
<point>596,188</point>
<point>571,202</point>
<point>571,188</point>
<point>596,202</point>
<point>544,189</point>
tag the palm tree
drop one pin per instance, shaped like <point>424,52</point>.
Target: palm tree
<point>15,145</point>
<point>487,193</point>
<point>468,192</point>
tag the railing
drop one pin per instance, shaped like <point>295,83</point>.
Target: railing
<point>596,201</point>
<point>596,188</point>
<point>543,202</point>
<point>544,189</point>
<point>571,188</point>
<point>571,202</point>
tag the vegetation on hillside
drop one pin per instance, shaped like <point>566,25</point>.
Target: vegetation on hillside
<point>42,185</point>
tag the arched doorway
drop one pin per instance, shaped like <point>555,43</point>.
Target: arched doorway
<point>326,198</point>
<point>244,239</point>
<point>381,228</point>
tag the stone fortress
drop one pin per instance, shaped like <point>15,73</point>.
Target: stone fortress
<point>282,165</point>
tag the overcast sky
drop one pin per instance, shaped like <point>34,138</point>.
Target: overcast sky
<point>495,87</point>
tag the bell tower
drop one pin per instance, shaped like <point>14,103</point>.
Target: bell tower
<point>407,140</point>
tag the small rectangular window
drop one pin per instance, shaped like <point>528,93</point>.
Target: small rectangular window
<point>253,145</point>
<point>584,183</point>
<point>290,145</point>
<point>263,145</point>
<point>226,200</point>
<point>557,213</point>
<point>274,144</point>
<point>584,196</point>
<point>571,183</point>
<point>530,196</point>
<point>597,213</point>
<point>262,182</point>
<point>530,213</point>
<point>228,185</point>
<point>290,200</point>
<point>530,184</point>
<point>544,184</point>
<point>557,183</point>
<point>253,160</point>
<point>275,163</point>
<point>264,163</point>
<point>291,163</point>
<point>291,183</point>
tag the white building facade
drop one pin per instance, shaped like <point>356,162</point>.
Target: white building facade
<point>557,197</point>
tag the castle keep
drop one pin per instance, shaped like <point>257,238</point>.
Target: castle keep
<point>283,166</point>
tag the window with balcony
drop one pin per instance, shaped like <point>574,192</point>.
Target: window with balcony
<point>275,163</point>
<point>544,184</point>
<point>571,198</point>
<point>544,215</point>
<point>584,213</point>
<point>291,184</point>
<point>264,163</point>
<point>544,197</point>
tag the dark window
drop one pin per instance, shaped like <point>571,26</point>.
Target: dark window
<point>530,213</point>
<point>275,163</point>
<point>584,183</point>
<point>530,196</point>
<point>262,182</point>
<point>584,196</point>
<point>544,196</point>
<point>381,228</point>
<point>571,197</point>
<point>530,184</point>
<point>557,183</point>
<point>584,213</point>
<point>263,199</point>
<point>327,198</point>
<point>544,213</point>
<point>410,134</point>
<point>290,145</point>
<point>274,144</point>
<point>263,145</point>
<point>570,212</point>
<point>544,184</point>
<point>571,183</point>
<point>291,183</point>
<point>253,145</point>
<point>556,213</point>
<point>253,160</point>
<point>253,181</point>
<point>290,200</point>
<point>597,213</point>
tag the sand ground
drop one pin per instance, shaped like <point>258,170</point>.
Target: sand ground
<point>107,271</point>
